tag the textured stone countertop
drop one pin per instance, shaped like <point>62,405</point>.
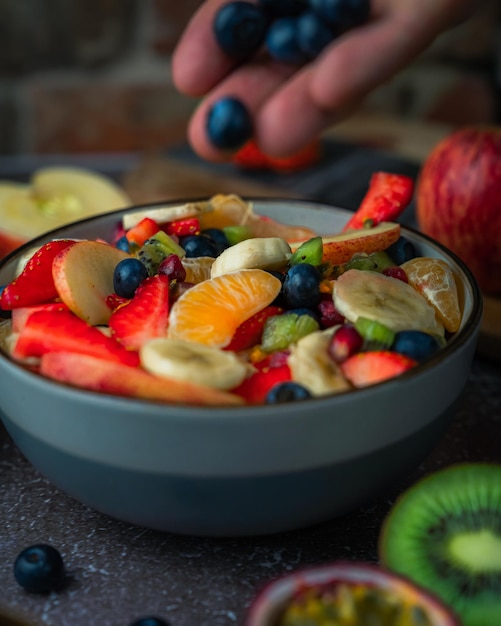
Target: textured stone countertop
<point>120,572</point>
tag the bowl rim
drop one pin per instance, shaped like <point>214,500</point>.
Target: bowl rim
<point>463,336</point>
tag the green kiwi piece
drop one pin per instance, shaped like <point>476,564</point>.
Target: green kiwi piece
<point>236,234</point>
<point>282,330</point>
<point>376,336</point>
<point>444,533</point>
<point>310,251</point>
<point>155,249</point>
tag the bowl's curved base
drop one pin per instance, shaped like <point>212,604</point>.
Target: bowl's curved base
<point>229,507</point>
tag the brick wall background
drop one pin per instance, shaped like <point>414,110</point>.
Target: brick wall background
<point>93,75</point>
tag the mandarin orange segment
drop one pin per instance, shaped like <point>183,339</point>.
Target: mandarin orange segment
<point>435,280</point>
<point>210,312</point>
<point>197,268</point>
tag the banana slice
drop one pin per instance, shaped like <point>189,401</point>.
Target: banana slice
<point>167,213</point>
<point>193,362</point>
<point>312,367</point>
<point>265,253</point>
<point>359,293</point>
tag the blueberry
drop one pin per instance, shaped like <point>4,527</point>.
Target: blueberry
<point>123,244</point>
<point>281,8</point>
<point>198,245</point>
<point>150,621</point>
<point>401,251</point>
<point>286,392</point>
<point>282,41</point>
<point>313,34</point>
<point>301,287</point>
<point>39,569</point>
<point>127,277</point>
<point>217,236</point>
<point>415,344</point>
<point>229,124</point>
<point>342,13</point>
<point>239,28</point>
<point>4,314</point>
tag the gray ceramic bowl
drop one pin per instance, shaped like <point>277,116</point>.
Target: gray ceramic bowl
<point>243,471</point>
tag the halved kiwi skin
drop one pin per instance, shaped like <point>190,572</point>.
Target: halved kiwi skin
<point>445,534</point>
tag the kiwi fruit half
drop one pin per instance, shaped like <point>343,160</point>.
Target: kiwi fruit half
<point>444,533</point>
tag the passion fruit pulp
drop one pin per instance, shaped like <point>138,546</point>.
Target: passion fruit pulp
<point>347,594</point>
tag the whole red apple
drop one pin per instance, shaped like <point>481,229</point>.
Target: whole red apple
<point>458,200</point>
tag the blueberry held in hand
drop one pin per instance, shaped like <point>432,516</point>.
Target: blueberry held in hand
<point>282,41</point>
<point>313,34</point>
<point>342,14</point>
<point>229,124</point>
<point>239,28</point>
<point>39,569</point>
<point>281,8</point>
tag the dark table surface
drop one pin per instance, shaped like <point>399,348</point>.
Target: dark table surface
<point>120,572</point>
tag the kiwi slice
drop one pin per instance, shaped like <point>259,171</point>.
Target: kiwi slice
<point>444,533</point>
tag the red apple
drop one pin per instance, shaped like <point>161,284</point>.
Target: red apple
<point>458,200</point>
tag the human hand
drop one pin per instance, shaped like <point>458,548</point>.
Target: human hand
<point>291,104</point>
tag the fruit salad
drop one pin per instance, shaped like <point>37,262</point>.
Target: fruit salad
<point>209,303</point>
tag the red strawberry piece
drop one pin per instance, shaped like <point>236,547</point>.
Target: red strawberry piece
<point>142,231</point>
<point>35,284</point>
<point>63,331</point>
<point>251,157</point>
<point>145,316</point>
<point>183,227</point>
<point>388,195</point>
<point>249,333</point>
<point>367,368</point>
<point>255,388</point>
<point>20,316</point>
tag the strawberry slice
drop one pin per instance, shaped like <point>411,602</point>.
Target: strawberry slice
<point>35,284</point>
<point>20,316</point>
<point>183,227</point>
<point>145,316</point>
<point>368,368</point>
<point>249,333</point>
<point>255,388</point>
<point>63,331</point>
<point>142,231</point>
<point>113,301</point>
<point>388,195</point>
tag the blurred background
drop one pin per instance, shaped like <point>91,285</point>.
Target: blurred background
<point>93,76</point>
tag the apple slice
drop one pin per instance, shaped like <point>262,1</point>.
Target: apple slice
<point>83,275</point>
<point>89,372</point>
<point>55,196</point>
<point>338,249</point>
<point>13,197</point>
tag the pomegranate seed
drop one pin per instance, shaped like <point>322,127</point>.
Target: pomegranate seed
<point>396,272</point>
<point>172,267</point>
<point>345,341</point>
<point>329,316</point>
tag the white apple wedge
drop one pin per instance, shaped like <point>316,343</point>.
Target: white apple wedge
<point>83,275</point>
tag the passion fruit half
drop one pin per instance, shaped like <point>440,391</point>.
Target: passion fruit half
<point>347,594</point>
